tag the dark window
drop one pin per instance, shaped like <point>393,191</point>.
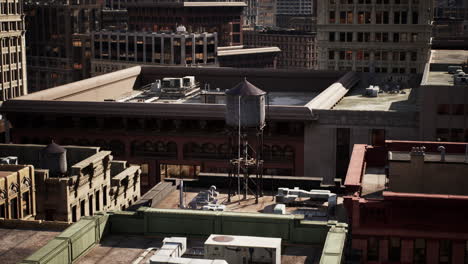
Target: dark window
<point>14,208</point>
<point>98,206</point>
<point>82,208</point>
<point>443,109</point>
<point>104,196</point>
<point>74,213</point>
<point>415,18</point>
<point>25,205</point>
<point>331,55</point>
<point>372,249</point>
<point>419,251</point>
<point>2,210</point>
<point>445,251</point>
<point>458,109</point>
<point>442,134</point>
<point>394,252</point>
<point>331,36</point>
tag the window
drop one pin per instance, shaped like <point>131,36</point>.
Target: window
<point>458,109</point>
<point>414,56</point>
<point>104,196</point>
<point>331,36</point>
<point>2,210</point>
<point>332,19</point>
<point>415,18</point>
<point>442,134</point>
<point>419,251</point>
<point>372,249</point>
<point>443,109</point>
<point>445,251</point>
<point>457,134</point>
<point>342,17</point>
<point>331,55</point>
<point>25,205</point>
<point>349,55</point>
<point>349,17</point>
<point>394,252</point>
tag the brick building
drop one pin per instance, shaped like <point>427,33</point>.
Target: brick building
<point>298,48</point>
<point>404,202</point>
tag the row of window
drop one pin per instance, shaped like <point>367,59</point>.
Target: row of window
<point>10,8</point>
<point>453,134</point>
<point>419,250</point>
<point>452,109</point>
<point>368,2</point>
<point>381,17</point>
<point>395,70</point>
<point>11,26</point>
<point>372,36</point>
<point>378,55</point>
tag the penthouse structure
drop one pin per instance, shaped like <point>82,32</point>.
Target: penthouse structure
<point>378,36</point>
<point>222,17</point>
<point>17,191</point>
<point>114,50</point>
<point>404,200</point>
<point>13,79</point>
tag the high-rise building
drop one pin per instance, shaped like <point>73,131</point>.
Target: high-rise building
<point>59,40</point>
<point>12,50</point>
<point>295,7</point>
<point>379,36</point>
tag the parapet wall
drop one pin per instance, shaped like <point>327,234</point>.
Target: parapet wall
<point>83,235</point>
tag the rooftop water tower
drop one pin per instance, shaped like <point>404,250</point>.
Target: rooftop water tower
<point>245,117</point>
<point>54,158</point>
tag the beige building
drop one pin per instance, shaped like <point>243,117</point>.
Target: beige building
<point>380,36</point>
<point>12,50</point>
<point>17,192</point>
<point>88,181</point>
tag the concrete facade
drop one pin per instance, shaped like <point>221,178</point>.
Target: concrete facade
<point>93,182</point>
<point>13,79</point>
<point>389,36</point>
<point>119,50</point>
<point>17,192</point>
<point>298,49</point>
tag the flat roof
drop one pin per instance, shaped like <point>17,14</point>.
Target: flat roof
<point>401,102</point>
<point>233,52</point>
<point>215,4</point>
<point>439,78</point>
<point>17,244</point>
<point>449,56</point>
<point>127,248</point>
<point>428,157</point>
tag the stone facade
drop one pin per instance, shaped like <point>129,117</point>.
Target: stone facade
<point>17,192</point>
<point>12,50</point>
<point>115,50</point>
<point>391,37</point>
<point>93,182</point>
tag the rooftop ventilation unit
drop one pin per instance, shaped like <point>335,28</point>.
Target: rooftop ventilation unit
<point>172,250</point>
<point>243,249</point>
<point>11,160</point>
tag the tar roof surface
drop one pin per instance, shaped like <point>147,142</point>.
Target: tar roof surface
<point>356,100</point>
<point>126,249</point>
<point>17,244</point>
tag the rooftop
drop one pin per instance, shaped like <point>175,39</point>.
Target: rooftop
<point>428,157</point>
<point>449,56</point>
<point>17,244</point>
<point>403,100</point>
<point>291,93</point>
<point>437,71</point>
<point>127,248</point>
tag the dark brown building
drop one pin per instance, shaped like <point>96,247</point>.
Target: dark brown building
<point>59,41</point>
<point>297,47</point>
<point>222,16</point>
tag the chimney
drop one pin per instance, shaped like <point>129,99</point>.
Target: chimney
<point>417,168</point>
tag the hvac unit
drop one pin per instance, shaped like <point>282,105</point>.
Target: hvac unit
<point>243,249</point>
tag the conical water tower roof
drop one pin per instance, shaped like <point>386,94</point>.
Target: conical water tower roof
<point>245,88</point>
<point>54,148</point>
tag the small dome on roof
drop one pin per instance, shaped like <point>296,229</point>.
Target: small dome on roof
<point>54,148</point>
<point>245,88</point>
